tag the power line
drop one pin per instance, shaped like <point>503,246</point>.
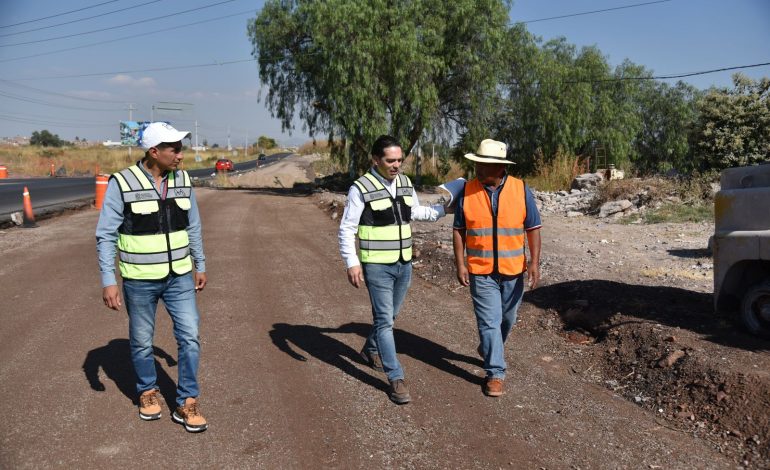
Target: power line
<point>158,18</point>
<point>78,20</point>
<point>54,105</point>
<point>591,12</point>
<point>51,123</point>
<point>47,92</point>
<point>132,36</point>
<point>157,69</point>
<point>667,77</point>
<point>59,14</point>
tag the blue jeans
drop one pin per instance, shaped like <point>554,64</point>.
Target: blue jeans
<point>496,300</point>
<point>178,295</point>
<point>387,284</point>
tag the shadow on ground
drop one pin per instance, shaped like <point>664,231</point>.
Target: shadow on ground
<point>115,360</point>
<point>317,342</point>
<point>592,305</point>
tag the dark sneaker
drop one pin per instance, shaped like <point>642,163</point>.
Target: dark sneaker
<point>149,405</point>
<point>372,359</point>
<point>399,393</point>
<point>493,387</point>
<point>190,416</point>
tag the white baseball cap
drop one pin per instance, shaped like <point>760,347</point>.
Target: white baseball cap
<point>159,132</point>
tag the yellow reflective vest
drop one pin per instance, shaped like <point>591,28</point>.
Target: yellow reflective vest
<point>153,241</point>
<point>384,233</point>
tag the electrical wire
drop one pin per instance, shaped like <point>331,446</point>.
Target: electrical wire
<point>668,77</point>
<point>148,20</point>
<point>54,105</point>
<point>53,93</point>
<point>79,20</point>
<point>59,14</point>
<point>132,37</point>
<point>591,12</point>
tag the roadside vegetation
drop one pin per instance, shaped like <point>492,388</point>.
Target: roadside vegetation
<point>443,86</point>
<point>34,160</point>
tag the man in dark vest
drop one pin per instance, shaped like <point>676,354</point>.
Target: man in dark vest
<point>494,216</point>
<point>151,217</point>
<point>379,207</point>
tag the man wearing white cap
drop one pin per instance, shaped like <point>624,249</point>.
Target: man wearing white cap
<point>151,216</point>
<point>494,216</point>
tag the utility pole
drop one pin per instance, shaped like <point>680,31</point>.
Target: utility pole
<point>130,118</point>
<point>229,147</point>
<point>197,157</point>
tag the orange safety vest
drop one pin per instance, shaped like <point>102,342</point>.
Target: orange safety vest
<point>495,243</point>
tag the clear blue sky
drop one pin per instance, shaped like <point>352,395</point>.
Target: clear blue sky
<point>677,36</point>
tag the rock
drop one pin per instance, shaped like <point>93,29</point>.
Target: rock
<point>334,215</point>
<point>17,218</point>
<point>586,181</point>
<point>671,359</point>
<point>614,207</point>
<point>574,214</point>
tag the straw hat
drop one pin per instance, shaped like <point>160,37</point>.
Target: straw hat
<point>490,151</point>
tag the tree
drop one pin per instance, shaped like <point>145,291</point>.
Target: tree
<point>266,143</point>
<point>205,142</point>
<point>557,98</point>
<point>354,69</point>
<point>668,115</point>
<point>45,139</point>
<point>733,128</point>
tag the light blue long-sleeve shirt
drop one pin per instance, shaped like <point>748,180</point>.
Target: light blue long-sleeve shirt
<point>111,218</point>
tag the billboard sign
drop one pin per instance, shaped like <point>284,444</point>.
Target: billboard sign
<point>131,131</point>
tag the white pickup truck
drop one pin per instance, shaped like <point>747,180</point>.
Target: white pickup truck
<point>741,246</point>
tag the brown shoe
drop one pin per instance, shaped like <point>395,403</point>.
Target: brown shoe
<point>493,387</point>
<point>149,405</point>
<point>399,393</point>
<point>190,416</point>
<point>372,359</point>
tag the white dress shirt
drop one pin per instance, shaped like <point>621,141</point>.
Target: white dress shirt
<point>354,207</point>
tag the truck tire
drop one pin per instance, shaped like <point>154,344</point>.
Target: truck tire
<point>755,310</point>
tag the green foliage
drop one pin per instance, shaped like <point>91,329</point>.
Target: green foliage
<point>734,125</point>
<point>674,213</point>
<point>45,139</point>
<point>356,69</point>
<point>266,142</point>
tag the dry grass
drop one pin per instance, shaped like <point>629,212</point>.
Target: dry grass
<point>557,173</point>
<point>36,161</point>
<point>315,146</point>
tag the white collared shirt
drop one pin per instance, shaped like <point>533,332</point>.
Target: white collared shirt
<point>354,207</point>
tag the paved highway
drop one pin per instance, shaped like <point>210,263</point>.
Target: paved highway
<point>47,193</point>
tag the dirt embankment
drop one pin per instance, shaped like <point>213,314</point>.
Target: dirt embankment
<point>633,307</point>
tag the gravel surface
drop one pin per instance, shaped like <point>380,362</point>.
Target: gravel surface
<point>283,385</point>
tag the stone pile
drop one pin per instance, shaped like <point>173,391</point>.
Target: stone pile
<point>572,203</point>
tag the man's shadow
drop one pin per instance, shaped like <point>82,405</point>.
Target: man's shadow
<point>115,360</point>
<point>317,342</point>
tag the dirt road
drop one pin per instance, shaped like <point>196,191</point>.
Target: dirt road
<point>281,381</point>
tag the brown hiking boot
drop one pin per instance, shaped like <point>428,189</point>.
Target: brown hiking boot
<point>372,359</point>
<point>399,393</point>
<point>493,387</point>
<point>149,405</point>
<point>190,416</point>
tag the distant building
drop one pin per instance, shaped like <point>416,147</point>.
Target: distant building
<point>199,148</point>
<point>111,143</point>
<point>17,141</point>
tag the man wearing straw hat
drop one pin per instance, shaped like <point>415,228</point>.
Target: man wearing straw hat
<point>151,217</point>
<point>494,215</point>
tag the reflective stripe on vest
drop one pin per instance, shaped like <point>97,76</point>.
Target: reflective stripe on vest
<point>495,244</point>
<point>154,256</point>
<point>387,243</point>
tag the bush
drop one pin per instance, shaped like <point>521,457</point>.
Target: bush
<point>556,174</point>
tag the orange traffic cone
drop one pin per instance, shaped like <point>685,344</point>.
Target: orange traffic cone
<point>53,171</point>
<point>29,216</point>
<point>3,171</point>
<point>101,190</point>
